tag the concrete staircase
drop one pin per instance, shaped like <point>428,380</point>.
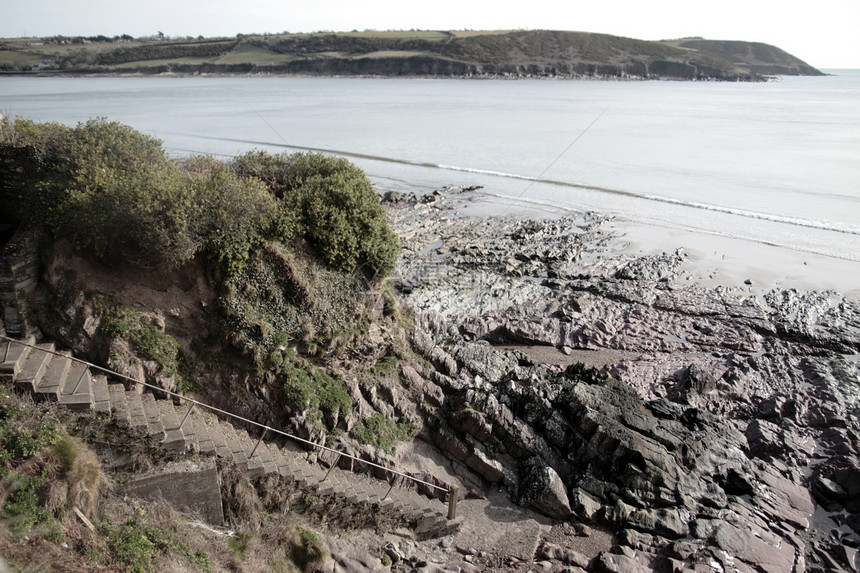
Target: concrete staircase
<point>55,376</point>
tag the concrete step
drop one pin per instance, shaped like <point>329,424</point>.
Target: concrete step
<point>237,450</point>
<point>284,461</point>
<point>119,405</point>
<point>13,355</point>
<point>101,394</point>
<point>76,389</point>
<point>261,453</point>
<point>154,426</point>
<point>254,465</point>
<point>216,432</point>
<point>53,378</point>
<point>136,413</point>
<point>175,440</point>
<point>204,442</point>
<point>34,366</point>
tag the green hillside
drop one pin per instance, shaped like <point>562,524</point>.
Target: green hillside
<point>405,53</point>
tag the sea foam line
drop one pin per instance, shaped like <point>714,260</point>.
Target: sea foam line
<point>834,226</point>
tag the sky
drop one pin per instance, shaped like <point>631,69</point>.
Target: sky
<point>822,33</point>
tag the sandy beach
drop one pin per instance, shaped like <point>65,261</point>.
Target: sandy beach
<point>712,259</point>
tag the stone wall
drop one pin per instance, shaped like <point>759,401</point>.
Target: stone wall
<point>19,258</point>
<point>17,178</point>
<point>19,274</point>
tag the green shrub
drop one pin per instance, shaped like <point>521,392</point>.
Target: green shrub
<point>23,509</point>
<point>22,436</point>
<point>136,545</point>
<point>125,201</point>
<point>308,549</point>
<point>380,432</point>
<point>330,203</point>
<point>231,215</point>
<point>313,390</point>
<point>19,442</point>
<point>112,191</point>
<point>118,321</point>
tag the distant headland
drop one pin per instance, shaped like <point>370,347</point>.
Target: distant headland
<point>514,54</point>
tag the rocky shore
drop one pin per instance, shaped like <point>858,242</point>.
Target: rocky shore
<point>698,428</point>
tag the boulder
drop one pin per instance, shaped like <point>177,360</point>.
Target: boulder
<point>542,489</point>
<point>828,493</point>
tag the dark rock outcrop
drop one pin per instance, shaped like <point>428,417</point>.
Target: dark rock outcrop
<point>721,419</point>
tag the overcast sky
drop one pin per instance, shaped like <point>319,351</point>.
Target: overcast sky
<point>824,33</point>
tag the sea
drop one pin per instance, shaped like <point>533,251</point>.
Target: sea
<point>763,177</point>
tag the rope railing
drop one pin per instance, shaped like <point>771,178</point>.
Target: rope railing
<point>451,490</point>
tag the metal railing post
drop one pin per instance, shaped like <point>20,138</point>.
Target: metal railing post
<point>188,413</point>
<point>254,451</point>
<point>453,491</point>
<point>81,379</point>
<point>331,467</point>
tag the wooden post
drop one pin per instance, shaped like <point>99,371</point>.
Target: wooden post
<point>453,492</point>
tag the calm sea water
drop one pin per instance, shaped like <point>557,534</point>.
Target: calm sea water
<point>775,163</point>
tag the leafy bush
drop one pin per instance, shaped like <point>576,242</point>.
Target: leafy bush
<point>125,200</point>
<point>330,203</point>
<point>113,191</point>
<point>308,549</point>
<point>20,440</point>
<point>231,215</point>
<point>137,545</point>
<point>23,508</point>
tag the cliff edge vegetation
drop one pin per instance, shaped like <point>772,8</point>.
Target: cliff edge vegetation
<point>518,53</point>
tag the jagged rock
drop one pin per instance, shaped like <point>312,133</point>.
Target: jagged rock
<point>828,493</point>
<point>696,381</point>
<point>754,545</point>
<point>584,505</point>
<point>764,438</point>
<point>720,399</point>
<point>542,488</point>
<point>849,479</point>
<point>620,563</point>
<point>492,470</point>
<point>563,555</point>
<point>348,557</point>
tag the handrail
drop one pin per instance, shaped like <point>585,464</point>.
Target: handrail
<point>230,414</point>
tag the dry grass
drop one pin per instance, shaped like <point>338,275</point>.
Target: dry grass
<point>83,481</point>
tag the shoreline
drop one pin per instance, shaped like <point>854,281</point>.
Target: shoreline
<point>479,77</point>
<point>711,260</point>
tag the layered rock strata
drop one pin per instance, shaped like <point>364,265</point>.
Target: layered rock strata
<point>720,429</point>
